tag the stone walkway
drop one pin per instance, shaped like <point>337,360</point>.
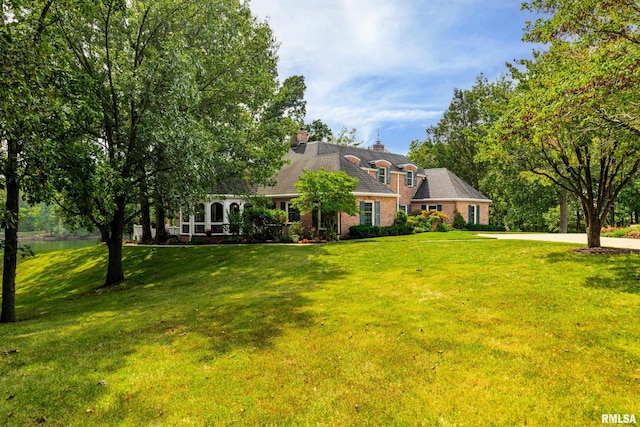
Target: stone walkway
<point>608,242</point>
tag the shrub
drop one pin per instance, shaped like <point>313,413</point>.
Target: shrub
<point>485,227</point>
<point>458,221</point>
<point>428,220</point>
<point>296,228</point>
<point>442,227</point>
<point>235,223</point>
<point>401,218</point>
<point>366,231</point>
<point>197,240</point>
<point>261,224</point>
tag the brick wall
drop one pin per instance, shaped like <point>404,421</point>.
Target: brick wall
<point>397,186</point>
<point>449,208</point>
<point>387,213</point>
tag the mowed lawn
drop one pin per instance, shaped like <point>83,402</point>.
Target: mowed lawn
<point>408,330</point>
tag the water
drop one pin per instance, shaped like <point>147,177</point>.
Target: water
<point>58,245</point>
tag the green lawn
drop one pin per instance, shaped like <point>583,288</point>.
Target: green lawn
<point>409,330</point>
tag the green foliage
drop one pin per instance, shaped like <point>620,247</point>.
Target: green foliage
<point>319,131</point>
<point>453,143</point>
<point>484,227</point>
<point>260,224</point>
<point>327,192</point>
<point>458,221</point>
<point>347,137</point>
<point>296,228</point>
<point>165,98</point>
<point>428,220</point>
<point>401,218</point>
<point>572,119</point>
<point>441,227</point>
<point>235,222</point>
<point>198,240</point>
<point>367,231</point>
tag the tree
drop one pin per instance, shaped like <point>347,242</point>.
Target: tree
<point>27,103</point>
<point>319,131</point>
<point>347,137</point>
<point>328,193</point>
<point>453,142</point>
<point>558,127</point>
<point>574,119</point>
<point>171,95</point>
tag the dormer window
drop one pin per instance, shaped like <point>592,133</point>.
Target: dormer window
<point>410,178</point>
<point>383,175</point>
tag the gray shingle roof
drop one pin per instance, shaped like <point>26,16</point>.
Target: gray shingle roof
<point>366,156</point>
<point>315,156</point>
<point>441,184</point>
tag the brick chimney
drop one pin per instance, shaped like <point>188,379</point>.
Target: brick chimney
<point>378,146</point>
<point>301,137</point>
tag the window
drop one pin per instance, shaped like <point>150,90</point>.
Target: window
<point>217,212</point>
<point>184,222</point>
<point>383,176</point>
<point>198,219</point>
<point>293,214</point>
<point>370,213</point>
<point>234,208</point>
<point>435,208</point>
<point>199,215</point>
<point>403,208</point>
<point>410,179</point>
<point>474,214</point>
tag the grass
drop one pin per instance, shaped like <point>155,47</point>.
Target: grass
<point>391,331</point>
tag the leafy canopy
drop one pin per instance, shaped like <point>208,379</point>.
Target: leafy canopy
<point>327,191</point>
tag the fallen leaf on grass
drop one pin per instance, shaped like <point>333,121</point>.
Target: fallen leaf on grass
<point>102,382</point>
<point>10,397</point>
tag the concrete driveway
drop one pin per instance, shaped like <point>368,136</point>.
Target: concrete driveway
<point>609,242</point>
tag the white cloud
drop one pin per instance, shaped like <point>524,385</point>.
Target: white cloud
<point>369,63</point>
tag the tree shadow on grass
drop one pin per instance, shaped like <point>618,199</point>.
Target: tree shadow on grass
<point>620,272</point>
<point>226,298</point>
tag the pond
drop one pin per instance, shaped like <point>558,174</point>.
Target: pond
<point>57,245</point>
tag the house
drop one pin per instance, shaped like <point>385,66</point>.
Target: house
<point>387,183</point>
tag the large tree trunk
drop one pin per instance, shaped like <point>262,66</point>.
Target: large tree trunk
<point>115,272</point>
<point>160,219</point>
<point>145,208</point>
<point>10,235</point>
<point>564,216</point>
<point>593,234</point>
<point>593,223</point>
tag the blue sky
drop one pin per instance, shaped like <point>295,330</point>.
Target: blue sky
<point>391,65</point>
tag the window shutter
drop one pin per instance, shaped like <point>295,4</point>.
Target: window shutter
<point>388,175</point>
<point>378,174</point>
<point>470,215</point>
<point>362,218</point>
<point>439,208</point>
<point>377,213</point>
<point>406,179</point>
<point>283,206</point>
<point>415,179</point>
<point>477,214</point>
